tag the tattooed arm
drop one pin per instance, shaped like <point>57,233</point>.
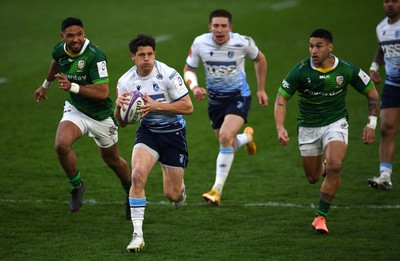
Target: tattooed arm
<point>373,105</point>
<point>280,114</point>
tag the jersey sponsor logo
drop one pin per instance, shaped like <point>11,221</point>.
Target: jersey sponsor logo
<point>156,88</point>
<point>221,69</point>
<point>325,76</point>
<point>285,84</point>
<point>391,49</point>
<point>231,54</point>
<point>102,69</point>
<point>314,93</point>
<point>76,78</point>
<point>364,77</point>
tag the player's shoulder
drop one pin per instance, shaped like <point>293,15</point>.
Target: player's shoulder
<point>128,75</point>
<point>164,69</point>
<point>203,38</point>
<point>241,39</point>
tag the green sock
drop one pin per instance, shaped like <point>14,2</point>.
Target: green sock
<point>126,187</point>
<point>323,208</point>
<point>75,181</point>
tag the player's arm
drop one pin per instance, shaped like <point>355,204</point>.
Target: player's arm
<point>373,108</point>
<point>94,91</point>
<point>376,63</point>
<point>40,92</point>
<point>280,115</point>
<point>182,106</point>
<point>189,74</point>
<point>260,67</point>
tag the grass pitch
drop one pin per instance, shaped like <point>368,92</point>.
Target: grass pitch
<point>267,206</point>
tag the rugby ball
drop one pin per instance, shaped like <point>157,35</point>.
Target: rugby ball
<point>132,114</point>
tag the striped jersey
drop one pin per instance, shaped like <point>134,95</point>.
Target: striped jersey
<point>163,84</point>
<point>389,40</point>
<point>224,64</point>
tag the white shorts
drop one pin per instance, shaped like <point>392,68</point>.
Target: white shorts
<point>105,132</point>
<point>312,140</point>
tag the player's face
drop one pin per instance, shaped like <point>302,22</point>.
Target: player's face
<point>144,60</point>
<point>220,29</point>
<point>320,50</point>
<point>392,8</point>
<point>74,37</point>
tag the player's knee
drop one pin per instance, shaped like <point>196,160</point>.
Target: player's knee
<point>333,166</point>
<point>312,179</point>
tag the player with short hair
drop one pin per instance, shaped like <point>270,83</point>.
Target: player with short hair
<point>81,69</point>
<point>223,54</point>
<point>321,83</point>
<point>388,53</point>
<point>161,135</point>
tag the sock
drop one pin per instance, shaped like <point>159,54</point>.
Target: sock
<point>224,163</point>
<point>242,139</point>
<point>75,181</point>
<point>126,187</point>
<point>323,208</point>
<point>137,214</point>
<point>385,169</point>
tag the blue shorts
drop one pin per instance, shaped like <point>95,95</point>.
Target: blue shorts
<point>171,147</point>
<point>390,97</point>
<point>238,105</point>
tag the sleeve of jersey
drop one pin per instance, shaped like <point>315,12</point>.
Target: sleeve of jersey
<point>98,69</point>
<point>252,49</point>
<point>193,58</point>
<point>362,82</point>
<point>177,86</point>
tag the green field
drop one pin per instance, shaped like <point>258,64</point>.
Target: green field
<point>267,206</point>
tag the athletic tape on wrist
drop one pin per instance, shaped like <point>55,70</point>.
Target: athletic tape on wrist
<point>374,67</point>
<point>74,88</point>
<point>46,84</point>
<point>191,79</point>
<point>372,122</point>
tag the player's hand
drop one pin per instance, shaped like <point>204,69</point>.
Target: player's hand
<point>148,106</point>
<point>40,94</point>
<point>368,135</point>
<point>283,137</point>
<point>63,82</point>
<point>122,100</point>
<point>262,98</point>
<point>199,93</point>
<point>376,78</point>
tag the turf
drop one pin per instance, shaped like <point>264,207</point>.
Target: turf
<point>267,205</point>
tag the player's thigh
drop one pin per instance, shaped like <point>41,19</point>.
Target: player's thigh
<point>67,134</point>
<point>335,152</point>
<point>230,127</point>
<point>390,119</point>
<point>172,179</point>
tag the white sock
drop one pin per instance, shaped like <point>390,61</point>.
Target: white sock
<point>137,214</point>
<point>224,163</point>
<point>242,139</point>
<point>385,170</point>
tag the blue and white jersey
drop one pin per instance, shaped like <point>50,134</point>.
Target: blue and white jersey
<point>223,64</point>
<point>389,40</point>
<point>163,84</point>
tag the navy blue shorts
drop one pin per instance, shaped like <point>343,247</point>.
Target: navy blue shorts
<point>238,105</point>
<point>171,146</point>
<point>390,97</point>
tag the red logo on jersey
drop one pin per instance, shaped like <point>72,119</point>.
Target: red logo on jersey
<point>339,80</point>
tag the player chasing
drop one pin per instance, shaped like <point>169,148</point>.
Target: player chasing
<point>321,83</point>
<point>223,55</point>
<point>388,53</point>
<point>81,69</point>
<point>161,135</point>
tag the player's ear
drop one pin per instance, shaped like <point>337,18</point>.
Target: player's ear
<point>132,55</point>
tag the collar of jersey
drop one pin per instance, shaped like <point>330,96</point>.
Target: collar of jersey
<point>82,50</point>
<point>327,69</point>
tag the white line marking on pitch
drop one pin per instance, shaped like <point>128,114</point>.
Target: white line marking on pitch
<point>260,204</point>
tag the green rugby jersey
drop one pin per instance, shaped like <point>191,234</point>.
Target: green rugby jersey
<point>321,94</point>
<point>88,67</point>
